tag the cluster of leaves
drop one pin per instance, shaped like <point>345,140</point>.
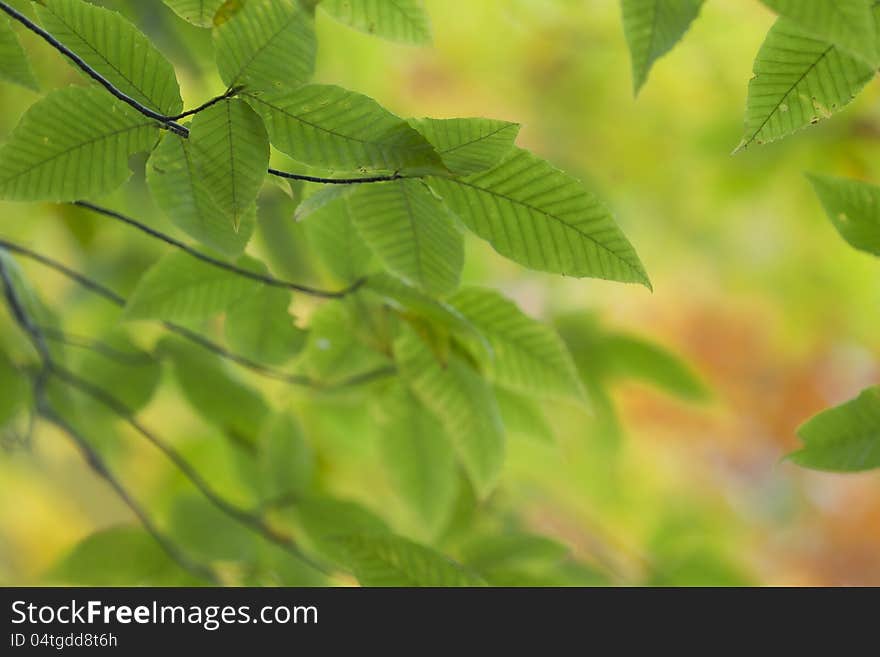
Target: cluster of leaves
<point>383,204</point>
<point>817,57</point>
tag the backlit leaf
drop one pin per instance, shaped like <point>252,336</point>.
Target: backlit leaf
<point>527,355</point>
<point>799,80</point>
<point>468,145</point>
<point>397,20</point>
<point>845,438</point>
<point>652,28</point>
<point>854,209</point>
<point>182,194</point>
<point>181,288</point>
<point>544,219</point>
<point>72,144</point>
<point>328,126</point>
<point>14,64</point>
<point>230,153</point>
<point>116,49</point>
<point>265,44</point>
<point>389,560</point>
<point>418,456</point>
<point>411,233</point>
<point>462,401</point>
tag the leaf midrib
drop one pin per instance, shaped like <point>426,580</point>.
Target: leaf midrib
<point>156,106</point>
<point>558,220</point>
<point>76,146</point>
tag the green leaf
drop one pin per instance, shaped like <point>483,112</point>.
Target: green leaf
<point>14,390</point>
<point>544,219</point>
<point>230,151</point>
<point>214,393</point>
<point>265,44</point>
<point>116,49</point>
<point>72,144</point>
<point>468,146</point>
<point>603,357</point>
<point>181,288</point>
<point>408,300</point>
<point>335,350</point>
<point>405,21</point>
<point>260,327</point>
<point>631,357</point>
<point>523,416</point>
<point>332,235</point>
<point>799,80</point>
<point>527,355</point>
<point>324,520</point>
<point>287,464</point>
<point>462,401</point>
<point>331,127</point>
<point>848,24</point>
<point>389,560</point>
<point>14,64</point>
<point>180,191</point>
<point>845,438</point>
<point>652,29</point>
<point>411,233</point>
<point>854,209</point>
<point>419,458</point>
<point>127,373</point>
<point>95,562</point>
<point>503,551</point>
<point>325,196</point>
<point>198,12</point>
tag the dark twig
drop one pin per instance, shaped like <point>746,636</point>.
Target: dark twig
<point>101,348</point>
<point>97,464</point>
<point>92,73</point>
<point>192,336</point>
<point>215,262</point>
<point>232,91</point>
<point>170,122</point>
<point>335,181</point>
<point>91,456</point>
<point>252,521</point>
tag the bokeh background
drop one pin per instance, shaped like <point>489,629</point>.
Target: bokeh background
<point>753,288</point>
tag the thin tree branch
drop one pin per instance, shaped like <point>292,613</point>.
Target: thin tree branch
<point>92,286</point>
<point>91,72</point>
<point>254,522</point>
<point>192,336</point>
<point>101,348</point>
<point>337,181</point>
<point>91,456</point>
<point>229,93</point>
<point>215,262</point>
<point>169,122</point>
<point>97,464</point>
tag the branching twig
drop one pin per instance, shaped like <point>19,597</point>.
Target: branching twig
<point>92,73</point>
<point>170,122</point>
<point>262,370</point>
<point>96,463</point>
<point>91,456</point>
<point>101,348</point>
<point>232,91</point>
<point>253,521</point>
<point>215,262</point>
